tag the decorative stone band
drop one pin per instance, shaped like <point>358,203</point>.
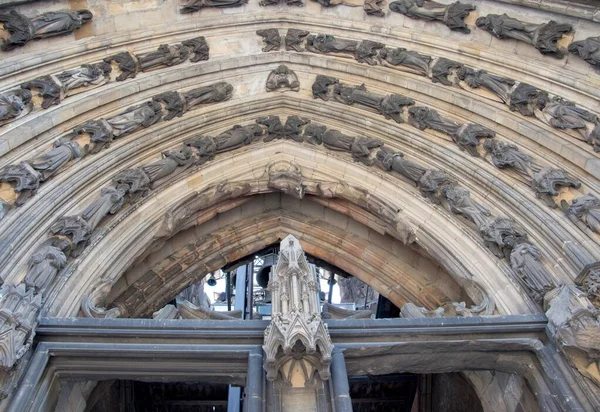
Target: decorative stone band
<point>518,96</point>
<point>54,88</point>
<point>27,176</point>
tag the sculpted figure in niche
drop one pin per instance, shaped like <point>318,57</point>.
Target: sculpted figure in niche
<point>14,104</point>
<point>460,202</point>
<point>24,179</point>
<point>294,126</point>
<point>541,36</point>
<point>367,52</point>
<point>23,29</point>
<point>325,43</point>
<point>313,133</point>
<point>360,147</point>
<point>144,115</point>
<point>588,50</point>
<point>546,183</point>
<point>452,15</point>
<point>195,5</point>
<point>232,139</point>
<point>505,155</point>
<point>134,181</point>
<point>214,93</point>
<point>48,88</point>
<point>198,47</point>
<point>406,60</point>
<point>171,160</point>
<point>274,127</point>
<point>46,262</point>
<point>271,37</point>
<point>294,39</point>
<point>282,78</point>
<point>64,151</point>
<point>126,63</point>
<point>320,88</point>
<point>525,261</point>
<point>526,98</point>
<point>174,103</point>
<point>587,209</point>
<point>165,56</point>
<point>111,200</point>
<point>442,70</point>
<point>374,8</point>
<point>76,228</point>
<point>498,85</point>
<point>501,235</point>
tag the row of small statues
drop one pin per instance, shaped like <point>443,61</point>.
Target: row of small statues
<point>518,96</point>
<point>16,103</point>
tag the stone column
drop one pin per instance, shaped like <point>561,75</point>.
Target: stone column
<point>253,401</point>
<point>339,377</point>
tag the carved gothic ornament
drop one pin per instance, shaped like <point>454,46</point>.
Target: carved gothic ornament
<point>589,282</point>
<point>23,29</point>
<point>14,104</point>
<point>271,39</point>
<point>586,209</point>
<point>588,50</point>
<point>525,261</point>
<point>296,326</point>
<point>191,6</point>
<point>282,79</point>
<point>452,15</point>
<point>547,181</point>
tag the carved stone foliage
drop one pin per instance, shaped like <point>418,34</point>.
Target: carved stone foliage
<point>587,209</point>
<point>23,29</point>
<point>588,50</point>
<point>547,181</point>
<point>271,38</point>
<point>296,327</point>
<point>14,104</point>
<point>541,36</point>
<point>452,15</point>
<point>196,5</point>
<point>282,78</point>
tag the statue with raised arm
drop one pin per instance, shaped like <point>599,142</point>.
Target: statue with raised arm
<point>111,200</point>
<point>195,5</point>
<point>498,85</point>
<point>14,104</point>
<point>460,202</point>
<point>49,258</point>
<point>507,155</point>
<point>143,115</point>
<point>165,56</point>
<point>214,93</point>
<point>406,60</point>
<point>63,152</point>
<point>170,161</point>
<point>23,29</point>
<point>541,36</point>
<point>588,50</point>
<point>452,15</point>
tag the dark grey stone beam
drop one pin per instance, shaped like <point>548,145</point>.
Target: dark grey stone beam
<point>339,377</point>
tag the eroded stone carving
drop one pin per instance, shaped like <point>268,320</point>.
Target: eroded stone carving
<point>501,235</point>
<point>335,312</point>
<point>143,115</point>
<point>443,69</point>
<point>541,36</point>
<point>76,228</point>
<point>274,127</point>
<point>485,308</point>
<point>49,258</point>
<point>326,43</point>
<point>452,15</point>
<point>24,179</point>
<point>460,202</point>
<point>282,78</point>
<point>196,5</point>
<point>172,159</point>
<point>587,209</point>
<point>360,147</point>
<point>174,103</point>
<point>214,93</point>
<point>525,261</point>
<point>294,39</point>
<point>498,85</point>
<point>63,152</point>
<point>293,128</point>
<point>368,52</point>
<point>198,47</point>
<point>526,98</point>
<point>127,64</point>
<point>313,133</point>
<point>410,310</point>
<point>23,29</point>
<point>391,106</point>
<point>588,50</point>
<point>320,88</point>
<point>505,155</point>
<point>48,88</point>
<point>286,177</point>
<point>111,200</point>
<point>91,310</point>
<point>135,182</point>
<point>406,60</point>
<point>547,181</point>
<point>271,37</point>
<point>207,147</point>
<point>165,55</point>
<point>374,8</point>
<point>100,133</point>
<point>14,104</point>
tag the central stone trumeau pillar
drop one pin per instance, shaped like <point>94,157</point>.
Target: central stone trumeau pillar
<point>297,344</point>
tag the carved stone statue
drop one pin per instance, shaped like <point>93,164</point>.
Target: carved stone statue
<point>460,202</point>
<point>111,200</point>
<point>546,183</point>
<point>431,183</point>
<point>526,98</point>
<point>360,147</point>
<point>391,106</point>
<point>294,39</point>
<point>24,179</point>
<point>195,5</point>
<point>134,181</point>
<point>442,69</point>
<point>368,51</point>
<point>48,88</point>
<point>587,209</point>
<point>128,65</point>
<point>452,15</point>
<point>541,36</point>
<point>389,160</point>
<point>274,127</point>
<point>424,117</point>
<point>198,48</point>
<point>168,164</point>
<point>501,235</point>
<point>84,76</point>
<point>232,139</point>
<point>165,56</point>
<point>562,114</point>
<point>214,93</point>
<point>313,133</point>
<point>505,155</point>
<point>285,177</point>
<point>325,43</point>
<point>76,228</point>
<point>49,258</point>
<point>498,85</point>
<point>143,115</point>
<point>63,152</point>
<point>282,78</point>
<point>406,60</point>
<point>271,37</point>
<point>588,50</point>
<point>298,3</point>
<point>23,29</point>
<point>374,8</point>
<point>100,133</point>
<point>468,135</point>
<point>14,104</point>
<point>293,129</point>
<point>525,261</point>
<point>320,88</point>
<point>485,308</point>
<point>174,102</point>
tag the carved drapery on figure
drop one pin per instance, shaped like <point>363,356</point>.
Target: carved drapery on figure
<point>452,15</point>
<point>24,29</point>
<point>14,104</point>
<point>585,208</point>
<point>296,327</point>
<point>191,6</point>
<point>588,50</point>
<point>271,38</point>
